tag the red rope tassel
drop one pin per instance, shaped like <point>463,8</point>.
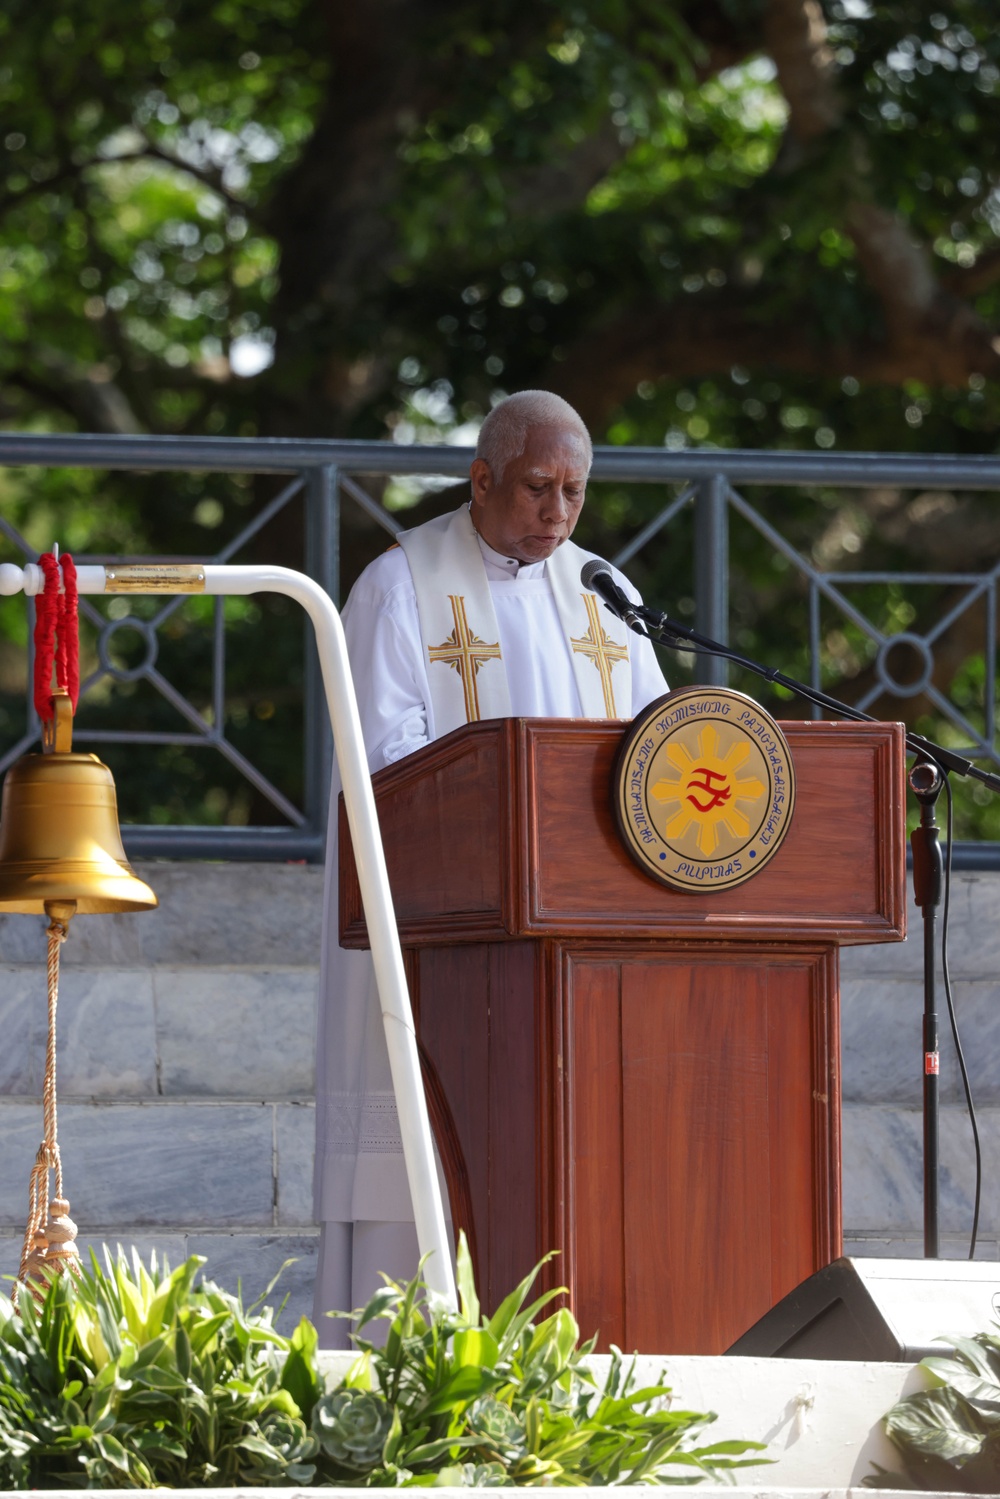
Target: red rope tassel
<point>57,634</point>
<point>68,660</point>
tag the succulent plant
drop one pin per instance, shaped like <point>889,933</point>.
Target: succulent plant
<point>351,1427</point>
<point>498,1426</point>
<point>281,1452</point>
<point>485,1476</point>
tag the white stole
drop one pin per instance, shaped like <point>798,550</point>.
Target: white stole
<point>461,638</point>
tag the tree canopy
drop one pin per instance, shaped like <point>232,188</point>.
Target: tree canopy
<point>783,208</point>
<point>743,223</point>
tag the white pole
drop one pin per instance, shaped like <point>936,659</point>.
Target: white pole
<point>359,800</point>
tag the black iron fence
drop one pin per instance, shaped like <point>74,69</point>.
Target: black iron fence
<point>700,494</point>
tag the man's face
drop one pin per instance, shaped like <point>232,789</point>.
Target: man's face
<point>535,505</point>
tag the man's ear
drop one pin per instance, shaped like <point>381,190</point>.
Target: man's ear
<point>481,480</point>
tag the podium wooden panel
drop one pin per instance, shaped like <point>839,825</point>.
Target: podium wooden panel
<point>646,1080</point>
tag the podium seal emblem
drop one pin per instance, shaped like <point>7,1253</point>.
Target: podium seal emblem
<point>703,788</point>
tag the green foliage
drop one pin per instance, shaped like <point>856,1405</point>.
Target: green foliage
<point>563,163</point>
<point>128,1378</point>
<point>179,195</point>
<point>137,140</point>
<point>465,1399</point>
<point>511,252</point>
<point>949,1436</point>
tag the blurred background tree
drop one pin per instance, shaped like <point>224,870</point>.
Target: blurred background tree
<point>739,223</point>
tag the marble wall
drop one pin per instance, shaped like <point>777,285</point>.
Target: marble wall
<point>881,1026</point>
<point>186,1072</point>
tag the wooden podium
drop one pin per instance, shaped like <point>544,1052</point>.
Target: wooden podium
<point>647,1081</point>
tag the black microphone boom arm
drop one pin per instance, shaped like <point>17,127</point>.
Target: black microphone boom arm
<point>671,633</point>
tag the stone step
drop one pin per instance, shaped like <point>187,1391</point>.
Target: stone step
<point>242,1163</point>
<point>147,1033</point>
<point>200,999</point>
<point>199,1166</point>
<point>882,1005</point>
<point>205,1163</point>
<point>210,915</point>
<point>883,1171</point>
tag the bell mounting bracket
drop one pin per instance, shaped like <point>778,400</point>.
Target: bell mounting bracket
<point>57,732</point>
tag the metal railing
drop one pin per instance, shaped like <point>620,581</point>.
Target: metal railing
<point>323,475</point>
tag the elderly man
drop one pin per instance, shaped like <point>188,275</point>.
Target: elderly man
<point>477,614</point>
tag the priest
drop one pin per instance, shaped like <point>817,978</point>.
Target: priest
<point>477,614</point>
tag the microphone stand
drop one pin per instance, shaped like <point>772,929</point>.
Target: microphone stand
<point>927,777</point>
<point>926,781</point>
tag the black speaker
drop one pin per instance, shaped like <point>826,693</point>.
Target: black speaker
<point>896,1311</point>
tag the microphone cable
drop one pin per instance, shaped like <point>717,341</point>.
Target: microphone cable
<point>953,1019</point>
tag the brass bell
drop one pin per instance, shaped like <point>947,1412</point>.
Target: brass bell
<point>60,845</point>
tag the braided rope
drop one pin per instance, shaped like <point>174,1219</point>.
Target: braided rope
<point>57,634</point>
<point>57,933</point>
<point>46,611</point>
<point>50,1234</point>
<point>48,1158</point>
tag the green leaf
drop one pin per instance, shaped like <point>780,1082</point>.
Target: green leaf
<point>448,1478</point>
<point>298,1375</point>
<point>558,1332</point>
<point>502,1322</point>
<point>522,1319</point>
<point>393,1439</point>
<point>428,1452</point>
<point>464,1386</point>
<point>733,1448</point>
<point>359,1375</point>
<point>382,1301</point>
<point>155,1378</point>
<point>476,1346</point>
<point>182,1352</point>
<point>466,1281</point>
<point>937,1422</point>
<point>112,1451</point>
<point>533,1426</point>
<point>985,1393</point>
<point>979,1359</point>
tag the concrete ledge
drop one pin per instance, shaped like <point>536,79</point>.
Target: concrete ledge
<point>705,1490</point>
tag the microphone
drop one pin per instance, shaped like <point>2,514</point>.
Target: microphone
<point>597,576</point>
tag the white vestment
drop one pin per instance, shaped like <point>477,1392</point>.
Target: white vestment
<point>360,1180</point>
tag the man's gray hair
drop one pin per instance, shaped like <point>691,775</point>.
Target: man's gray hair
<point>504,434</point>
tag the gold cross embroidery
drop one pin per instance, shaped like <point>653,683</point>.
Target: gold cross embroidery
<point>600,649</point>
<point>466,653</point>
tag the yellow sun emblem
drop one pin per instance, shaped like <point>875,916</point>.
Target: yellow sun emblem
<point>707,790</point>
